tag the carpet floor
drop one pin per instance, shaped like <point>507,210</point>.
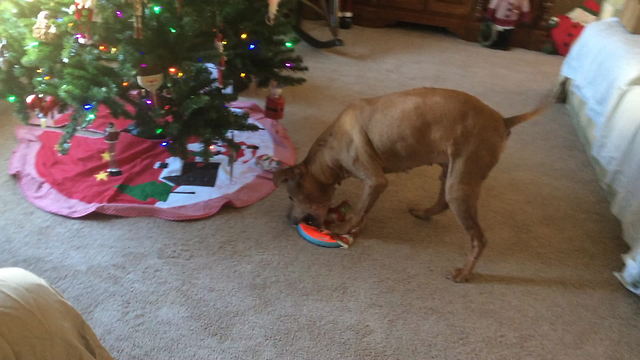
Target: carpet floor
<point>243,285</point>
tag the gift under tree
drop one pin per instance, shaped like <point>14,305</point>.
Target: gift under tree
<point>163,63</point>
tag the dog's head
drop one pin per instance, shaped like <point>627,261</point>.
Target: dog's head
<point>309,197</point>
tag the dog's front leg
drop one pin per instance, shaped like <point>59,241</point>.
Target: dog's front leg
<point>373,187</point>
<point>366,165</point>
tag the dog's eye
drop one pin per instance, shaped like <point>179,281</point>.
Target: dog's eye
<point>291,198</point>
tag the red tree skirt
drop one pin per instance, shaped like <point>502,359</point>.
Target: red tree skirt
<point>153,182</point>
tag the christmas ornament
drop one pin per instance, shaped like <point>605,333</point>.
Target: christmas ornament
<point>4,63</point>
<point>151,81</point>
<point>273,10</point>
<point>274,107</point>
<point>138,10</point>
<point>223,59</point>
<point>111,138</point>
<point>48,104</point>
<point>42,106</point>
<point>42,30</point>
<point>167,102</point>
<point>84,12</point>
<point>33,102</point>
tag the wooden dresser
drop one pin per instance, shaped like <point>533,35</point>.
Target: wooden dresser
<point>461,17</point>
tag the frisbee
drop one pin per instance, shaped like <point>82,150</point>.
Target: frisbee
<point>323,238</point>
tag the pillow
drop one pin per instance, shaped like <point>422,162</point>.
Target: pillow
<point>611,8</point>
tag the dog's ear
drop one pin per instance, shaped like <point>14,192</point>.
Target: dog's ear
<point>281,176</point>
<point>291,173</point>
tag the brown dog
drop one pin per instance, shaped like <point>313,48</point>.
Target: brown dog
<point>397,132</point>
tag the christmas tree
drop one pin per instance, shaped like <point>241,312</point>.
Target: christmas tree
<point>163,63</point>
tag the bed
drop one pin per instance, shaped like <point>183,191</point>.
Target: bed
<point>602,73</point>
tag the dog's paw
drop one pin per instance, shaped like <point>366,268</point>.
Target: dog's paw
<point>458,275</point>
<point>345,228</point>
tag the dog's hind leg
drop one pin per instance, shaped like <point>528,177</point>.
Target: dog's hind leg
<point>440,204</point>
<point>463,202</point>
<point>462,193</point>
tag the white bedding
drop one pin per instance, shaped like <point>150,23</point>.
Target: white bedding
<point>604,68</point>
<point>603,62</point>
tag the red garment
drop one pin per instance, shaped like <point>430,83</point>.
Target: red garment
<point>565,33</point>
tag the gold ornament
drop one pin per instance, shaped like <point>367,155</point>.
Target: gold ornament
<point>42,30</point>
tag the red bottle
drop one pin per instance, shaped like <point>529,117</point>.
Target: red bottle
<point>274,108</point>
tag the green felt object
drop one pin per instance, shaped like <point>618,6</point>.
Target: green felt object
<point>154,189</point>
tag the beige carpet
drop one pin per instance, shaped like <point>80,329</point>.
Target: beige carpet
<point>243,285</point>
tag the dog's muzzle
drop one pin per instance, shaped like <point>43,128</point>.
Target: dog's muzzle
<point>310,220</point>
<point>307,219</point>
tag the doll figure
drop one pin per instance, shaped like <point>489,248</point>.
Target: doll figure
<point>504,16</point>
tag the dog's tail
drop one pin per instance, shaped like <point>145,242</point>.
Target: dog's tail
<point>553,97</point>
<point>515,120</point>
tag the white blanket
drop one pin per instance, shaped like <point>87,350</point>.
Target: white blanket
<point>37,323</point>
<point>603,62</point>
<point>604,65</point>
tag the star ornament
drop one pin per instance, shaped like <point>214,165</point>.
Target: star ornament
<point>106,156</point>
<point>101,176</point>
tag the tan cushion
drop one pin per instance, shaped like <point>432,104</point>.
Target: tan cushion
<point>37,323</point>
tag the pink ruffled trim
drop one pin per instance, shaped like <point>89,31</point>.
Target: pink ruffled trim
<point>42,195</point>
